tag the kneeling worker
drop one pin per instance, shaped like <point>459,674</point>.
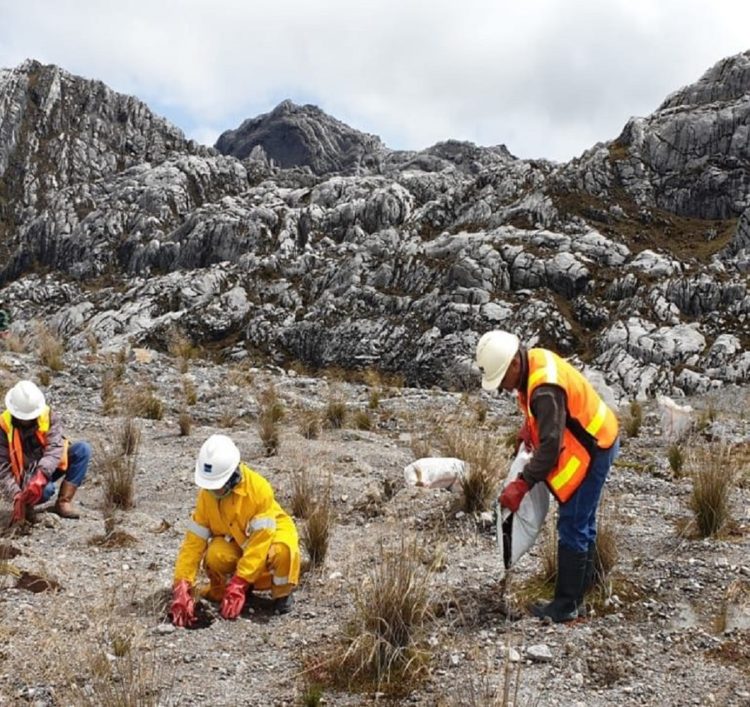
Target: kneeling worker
<point>239,531</point>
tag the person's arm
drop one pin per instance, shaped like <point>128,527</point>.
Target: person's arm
<point>54,450</point>
<point>260,532</point>
<point>8,485</point>
<point>193,545</point>
<point>548,405</point>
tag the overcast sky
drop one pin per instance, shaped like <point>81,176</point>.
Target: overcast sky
<point>547,78</point>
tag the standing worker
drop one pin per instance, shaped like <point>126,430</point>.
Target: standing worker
<point>239,531</point>
<point>574,436</point>
<point>34,455</point>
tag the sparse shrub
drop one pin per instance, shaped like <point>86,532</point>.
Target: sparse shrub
<point>270,403</point>
<point>676,459</point>
<point>316,530</point>
<point>362,420</point>
<point>142,402</point>
<point>121,644</point>
<point>188,389</point>
<point>227,419</point>
<point>313,695</point>
<point>92,341</point>
<point>309,426</point>
<point>481,409</point>
<point>182,348</point>
<point>268,429</point>
<point>186,423</point>
<point>420,446</point>
<point>634,419</point>
<point>50,348</point>
<point>713,479</point>
<point>240,376</point>
<point>335,413</point>
<point>607,554</point>
<point>374,399</point>
<point>302,491</point>
<point>44,378</point>
<point>14,343</point>
<point>485,458</point>
<point>385,645</point>
<point>118,472</point>
<point>109,399</point>
<point>130,437</point>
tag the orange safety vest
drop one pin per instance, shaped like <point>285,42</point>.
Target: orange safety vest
<point>15,446</point>
<point>589,421</point>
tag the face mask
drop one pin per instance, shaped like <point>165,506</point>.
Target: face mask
<point>226,489</point>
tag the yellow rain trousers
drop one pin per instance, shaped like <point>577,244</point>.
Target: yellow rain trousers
<point>247,534</point>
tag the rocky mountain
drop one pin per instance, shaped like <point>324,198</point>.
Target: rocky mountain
<point>299,238</point>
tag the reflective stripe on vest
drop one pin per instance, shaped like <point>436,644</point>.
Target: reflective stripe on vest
<point>585,411</point>
<point>15,445</point>
<point>200,530</point>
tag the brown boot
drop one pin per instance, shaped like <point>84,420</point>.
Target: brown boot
<point>30,515</point>
<point>63,506</point>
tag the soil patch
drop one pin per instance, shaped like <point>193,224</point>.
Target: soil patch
<point>34,583</point>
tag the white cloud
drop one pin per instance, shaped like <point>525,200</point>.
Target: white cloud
<point>548,78</point>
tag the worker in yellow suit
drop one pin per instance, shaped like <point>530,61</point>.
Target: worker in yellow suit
<point>239,531</point>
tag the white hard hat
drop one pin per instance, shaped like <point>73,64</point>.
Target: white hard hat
<point>495,351</point>
<point>25,401</point>
<point>217,460</point>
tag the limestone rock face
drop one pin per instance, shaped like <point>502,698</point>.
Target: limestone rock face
<point>301,238</point>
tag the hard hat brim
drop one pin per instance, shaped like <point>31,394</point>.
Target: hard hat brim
<point>213,483</point>
<point>493,383</point>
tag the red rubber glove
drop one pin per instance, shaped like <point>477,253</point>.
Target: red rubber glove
<point>183,604</point>
<point>19,509</point>
<point>34,490</point>
<point>234,598</point>
<point>512,494</point>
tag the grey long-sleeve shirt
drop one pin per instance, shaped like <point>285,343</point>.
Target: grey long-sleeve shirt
<point>548,405</point>
<point>47,459</point>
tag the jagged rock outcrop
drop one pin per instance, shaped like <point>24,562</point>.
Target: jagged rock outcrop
<point>296,136</point>
<point>309,240</point>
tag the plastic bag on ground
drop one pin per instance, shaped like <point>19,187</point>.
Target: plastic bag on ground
<point>676,420</point>
<point>435,472</point>
<point>516,532</point>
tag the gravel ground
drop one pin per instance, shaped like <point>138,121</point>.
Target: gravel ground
<point>673,629</point>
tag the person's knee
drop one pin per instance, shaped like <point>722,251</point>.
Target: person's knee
<point>80,452</point>
<point>222,556</point>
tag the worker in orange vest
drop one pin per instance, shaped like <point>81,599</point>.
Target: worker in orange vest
<point>34,454</point>
<point>574,436</point>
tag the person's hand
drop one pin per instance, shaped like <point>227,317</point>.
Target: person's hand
<point>512,494</point>
<point>34,490</point>
<point>183,604</point>
<point>19,509</point>
<point>234,598</point>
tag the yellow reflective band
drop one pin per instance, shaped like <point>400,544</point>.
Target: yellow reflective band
<point>548,373</point>
<point>566,473</point>
<point>596,424</point>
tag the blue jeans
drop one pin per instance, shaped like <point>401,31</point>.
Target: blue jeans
<point>576,520</point>
<point>79,454</point>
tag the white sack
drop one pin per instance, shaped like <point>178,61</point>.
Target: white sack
<point>676,420</point>
<point>517,532</point>
<point>434,472</point>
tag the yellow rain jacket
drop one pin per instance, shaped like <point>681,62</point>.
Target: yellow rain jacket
<point>251,517</point>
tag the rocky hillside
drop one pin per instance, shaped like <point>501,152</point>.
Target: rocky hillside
<point>309,241</point>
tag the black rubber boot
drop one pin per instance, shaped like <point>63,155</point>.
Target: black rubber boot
<point>571,567</point>
<point>283,605</point>
<point>588,579</point>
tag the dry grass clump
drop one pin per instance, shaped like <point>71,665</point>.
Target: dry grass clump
<point>181,347</point>
<point>188,390</point>
<point>50,348</point>
<point>185,422</point>
<point>362,420</point>
<point>633,420</point>
<point>373,400</point>
<point>309,424</point>
<point>117,465</point>
<point>317,527</point>
<point>271,413</point>
<point>143,402</point>
<point>385,647</point>
<point>15,343</point>
<point>335,413</point>
<point>676,459</point>
<point>713,475</point>
<point>108,394</point>
<point>485,457</point>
